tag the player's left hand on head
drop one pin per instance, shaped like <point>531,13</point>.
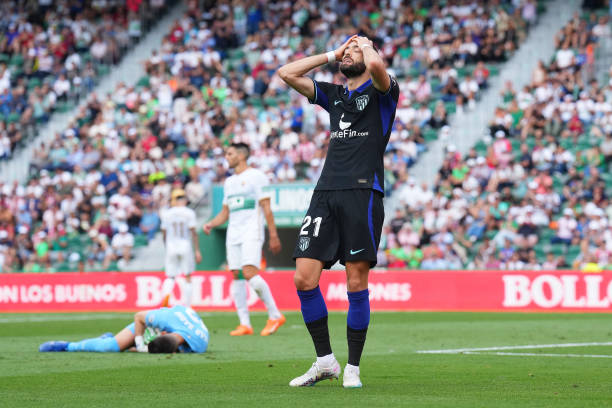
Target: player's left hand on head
<point>362,41</point>
<point>275,245</point>
<point>339,52</point>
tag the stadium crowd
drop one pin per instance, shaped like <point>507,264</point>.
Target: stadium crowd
<point>213,81</point>
<point>534,195</point>
<point>50,57</point>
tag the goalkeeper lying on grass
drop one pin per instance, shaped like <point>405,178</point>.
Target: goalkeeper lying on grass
<point>163,330</point>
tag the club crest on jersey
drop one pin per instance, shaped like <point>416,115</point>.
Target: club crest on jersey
<point>362,102</point>
<point>304,243</point>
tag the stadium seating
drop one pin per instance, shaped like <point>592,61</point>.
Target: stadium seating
<point>49,64</point>
<point>532,195</point>
<point>212,82</point>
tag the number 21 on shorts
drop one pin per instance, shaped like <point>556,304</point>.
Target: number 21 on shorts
<point>309,220</point>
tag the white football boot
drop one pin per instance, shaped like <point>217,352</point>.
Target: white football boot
<point>317,373</point>
<point>350,378</point>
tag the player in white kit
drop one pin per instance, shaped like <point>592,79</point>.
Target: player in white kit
<point>246,204</point>
<point>178,224</point>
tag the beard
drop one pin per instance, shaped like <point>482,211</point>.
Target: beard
<point>352,70</point>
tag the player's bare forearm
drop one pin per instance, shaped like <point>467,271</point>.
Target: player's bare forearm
<point>275,245</point>
<point>270,222</point>
<point>196,245</point>
<point>140,323</point>
<point>374,64</point>
<point>294,74</point>
<point>194,240</point>
<point>220,218</point>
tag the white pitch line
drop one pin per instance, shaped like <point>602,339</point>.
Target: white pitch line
<point>526,347</point>
<point>93,316</point>
<point>500,353</point>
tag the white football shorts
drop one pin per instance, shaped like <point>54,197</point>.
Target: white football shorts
<point>180,259</point>
<point>245,253</point>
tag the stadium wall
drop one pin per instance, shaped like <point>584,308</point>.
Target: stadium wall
<point>554,291</point>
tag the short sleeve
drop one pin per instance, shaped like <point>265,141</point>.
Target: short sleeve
<point>393,91</point>
<point>152,318</point>
<point>225,193</point>
<point>388,105</point>
<point>261,187</point>
<point>323,92</point>
<point>164,222</point>
<point>192,219</point>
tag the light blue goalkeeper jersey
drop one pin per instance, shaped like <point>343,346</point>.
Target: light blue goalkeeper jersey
<point>184,321</point>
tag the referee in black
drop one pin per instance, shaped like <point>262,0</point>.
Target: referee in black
<point>345,216</point>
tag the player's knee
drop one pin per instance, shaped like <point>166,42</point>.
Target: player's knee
<point>303,282</point>
<point>354,283</point>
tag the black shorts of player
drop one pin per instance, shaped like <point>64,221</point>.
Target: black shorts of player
<point>341,225</point>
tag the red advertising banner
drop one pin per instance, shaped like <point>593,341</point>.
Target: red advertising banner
<point>389,290</point>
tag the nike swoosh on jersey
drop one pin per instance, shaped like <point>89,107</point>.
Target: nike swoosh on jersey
<point>356,252</point>
<point>343,125</point>
<point>337,102</point>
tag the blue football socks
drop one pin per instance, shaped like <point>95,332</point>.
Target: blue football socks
<point>314,312</point>
<point>100,345</point>
<point>357,324</point>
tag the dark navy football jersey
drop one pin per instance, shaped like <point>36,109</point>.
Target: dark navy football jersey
<point>360,125</point>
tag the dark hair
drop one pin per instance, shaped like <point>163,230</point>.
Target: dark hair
<point>166,343</point>
<point>242,147</point>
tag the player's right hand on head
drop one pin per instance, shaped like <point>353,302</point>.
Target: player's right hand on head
<point>339,52</point>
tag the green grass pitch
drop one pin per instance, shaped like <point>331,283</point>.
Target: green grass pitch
<point>254,371</point>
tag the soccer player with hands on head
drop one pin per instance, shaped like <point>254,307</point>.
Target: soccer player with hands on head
<point>345,217</point>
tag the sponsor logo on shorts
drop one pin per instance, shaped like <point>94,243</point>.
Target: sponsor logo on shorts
<point>304,243</point>
<point>353,252</point>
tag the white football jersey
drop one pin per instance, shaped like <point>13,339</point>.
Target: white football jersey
<point>177,222</point>
<point>242,193</point>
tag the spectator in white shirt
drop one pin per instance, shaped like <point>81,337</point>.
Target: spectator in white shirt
<point>469,89</point>
<point>565,57</point>
<point>5,146</point>
<point>566,226</point>
<point>61,87</point>
<point>122,243</point>
<point>602,28</point>
<point>99,50</point>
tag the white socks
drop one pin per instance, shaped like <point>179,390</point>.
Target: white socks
<point>167,287</point>
<point>187,294</point>
<point>263,291</point>
<point>239,293</point>
<point>326,361</point>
